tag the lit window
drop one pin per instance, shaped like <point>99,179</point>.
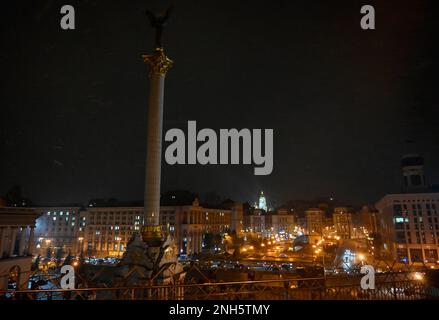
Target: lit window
<point>54,218</point>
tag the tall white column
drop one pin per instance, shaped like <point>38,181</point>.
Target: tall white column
<point>154,150</point>
<point>22,241</point>
<point>159,64</point>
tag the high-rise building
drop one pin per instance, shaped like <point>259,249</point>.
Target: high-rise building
<point>410,219</point>
<point>411,226</point>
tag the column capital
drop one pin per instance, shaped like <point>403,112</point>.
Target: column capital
<point>158,62</point>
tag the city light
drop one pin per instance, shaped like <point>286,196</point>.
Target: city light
<point>418,276</point>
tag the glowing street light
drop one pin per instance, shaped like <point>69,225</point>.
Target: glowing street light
<point>418,276</point>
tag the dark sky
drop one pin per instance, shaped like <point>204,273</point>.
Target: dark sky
<point>341,100</point>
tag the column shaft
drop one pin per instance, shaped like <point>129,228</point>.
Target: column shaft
<point>13,238</point>
<point>30,248</point>
<point>22,241</point>
<point>154,150</point>
<point>2,240</point>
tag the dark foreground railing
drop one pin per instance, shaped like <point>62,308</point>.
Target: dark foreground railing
<point>388,287</point>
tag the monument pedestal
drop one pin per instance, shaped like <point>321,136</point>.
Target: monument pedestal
<point>154,260</point>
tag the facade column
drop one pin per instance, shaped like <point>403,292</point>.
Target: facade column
<point>22,241</point>
<point>2,241</point>
<point>12,243</point>
<point>30,248</point>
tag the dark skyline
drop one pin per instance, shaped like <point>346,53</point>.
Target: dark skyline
<point>342,101</point>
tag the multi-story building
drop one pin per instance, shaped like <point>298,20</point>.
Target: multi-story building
<point>314,221</point>
<point>16,245</point>
<point>189,223</point>
<point>411,219</point>
<point>255,222</point>
<point>108,229</point>
<point>411,223</point>
<point>370,220</point>
<point>57,230</point>
<point>237,212</point>
<point>343,222</point>
<point>282,221</point>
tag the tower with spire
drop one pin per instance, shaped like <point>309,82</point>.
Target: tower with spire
<point>262,203</point>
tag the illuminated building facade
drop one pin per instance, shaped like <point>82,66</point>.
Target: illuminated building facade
<point>57,230</point>
<point>16,246</point>
<point>108,229</point>
<point>281,223</point>
<point>314,221</point>
<point>343,222</point>
<point>255,222</point>
<point>411,226</point>
<point>188,224</point>
<point>370,220</point>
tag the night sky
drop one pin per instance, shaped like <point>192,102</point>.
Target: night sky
<point>342,101</point>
